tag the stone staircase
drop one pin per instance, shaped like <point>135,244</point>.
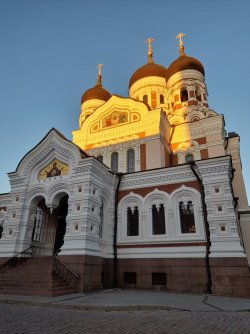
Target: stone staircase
<point>34,277</point>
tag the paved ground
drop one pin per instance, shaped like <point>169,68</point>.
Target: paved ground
<point>119,311</point>
<point>22,319</point>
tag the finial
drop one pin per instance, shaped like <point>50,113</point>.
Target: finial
<point>99,76</point>
<point>150,50</point>
<point>181,46</point>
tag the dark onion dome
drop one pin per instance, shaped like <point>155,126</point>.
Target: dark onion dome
<point>184,63</point>
<point>96,92</point>
<point>148,70</point>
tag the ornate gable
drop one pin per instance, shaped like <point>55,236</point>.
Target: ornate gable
<point>119,119</point>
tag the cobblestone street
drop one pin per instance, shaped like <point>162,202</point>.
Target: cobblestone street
<point>21,319</point>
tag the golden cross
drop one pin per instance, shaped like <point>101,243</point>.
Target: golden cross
<point>99,66</point>
<point>149,42</point>
<point>180,35</point>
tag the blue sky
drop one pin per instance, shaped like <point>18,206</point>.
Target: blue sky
<point>49,50</point>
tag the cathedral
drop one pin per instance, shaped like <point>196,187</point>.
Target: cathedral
<point>149,194</point>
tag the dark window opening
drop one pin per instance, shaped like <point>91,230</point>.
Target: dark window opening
<point>161,99</point>
<point>159,279</point>
<point>100,158</point>
<point>187,217</point>
<point>1,230</point>
<point>130,160</point>
<point>114,162</point>
<point>184,95</point>
<point>145,98</point>
<point>132,222</point>
<point>130,278</point>
<point>101,221</point>
<point>189,157</point>
<point>158,220</point>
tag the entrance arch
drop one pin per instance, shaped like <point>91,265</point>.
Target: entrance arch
<point>47,223</point>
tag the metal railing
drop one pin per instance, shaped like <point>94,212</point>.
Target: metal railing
<point>18,258</point>
<point>67,274</point>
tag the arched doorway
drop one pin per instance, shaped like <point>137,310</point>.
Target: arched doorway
<point>47,227</point>
<point>60,213</point>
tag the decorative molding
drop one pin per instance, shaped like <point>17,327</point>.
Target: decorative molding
<point>53,144</point>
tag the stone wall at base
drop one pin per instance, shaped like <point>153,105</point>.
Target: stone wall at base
<point>178,275</point>
<point>95,272</point>
<point>230,277</point>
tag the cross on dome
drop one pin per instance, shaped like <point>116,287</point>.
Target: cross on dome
<point>99,66</point>
<point>150,49</point>
<point>181,46</point>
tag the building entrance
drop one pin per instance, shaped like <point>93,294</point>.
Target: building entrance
<point>60,213</point>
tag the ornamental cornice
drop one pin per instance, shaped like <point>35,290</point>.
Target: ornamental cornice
<point>214,170</point>
<point>124,131</point>
<point>106,178</point>
<point>17,181</point>
<point>160,179</point>
<point>81,169</point>
<point>233,149</point>
<point>5,202</point>
<point>197,133</point>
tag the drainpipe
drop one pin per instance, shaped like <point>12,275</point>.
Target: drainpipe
<point>204,210</point>
<point>115,266</point>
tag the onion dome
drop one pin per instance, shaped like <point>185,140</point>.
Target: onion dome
<point>96,92</point>
<point>148,70</point>
<point>184,62</point>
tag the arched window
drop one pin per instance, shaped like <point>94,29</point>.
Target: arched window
<point>132,222</point>
<point>130,160</point>
<point>145,98</point>
<point>161,99</point>
<point>184,95</point>
<point>189,157</point>
<point>187,217</point>
<point>100,158</point>
<point>114,162</point>
<point>158,219</point>
<point>39,222</point>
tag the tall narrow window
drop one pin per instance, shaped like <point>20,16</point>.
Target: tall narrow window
<point>145,98</point>
<point>114,162</point>
<point>189,157</point>
<point>100,158</point>
<point>184,95</point>
<point>161,98</point>
<point>158,220</point>
<point>130,160</point>
<point>132,222</point>
<point>101,221</point>
<point>187,217</point>
<point>1,230</point>
<point>39,222</point>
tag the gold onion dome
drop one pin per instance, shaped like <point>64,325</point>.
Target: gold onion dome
<point>96,92</point>
<point>184,63</point>
<point>148,70</point>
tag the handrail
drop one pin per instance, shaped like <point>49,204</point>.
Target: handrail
<point>18,258</point>
<point>67,274</point>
